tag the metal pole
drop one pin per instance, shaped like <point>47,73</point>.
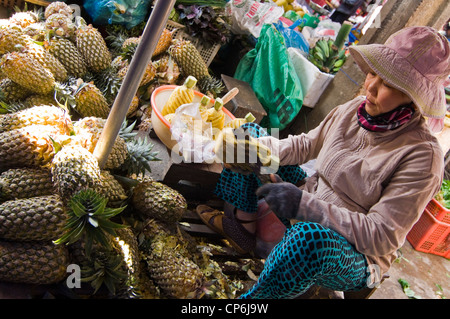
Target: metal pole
<point>152,32</point>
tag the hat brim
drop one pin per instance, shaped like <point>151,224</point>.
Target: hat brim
<point>400,74</point>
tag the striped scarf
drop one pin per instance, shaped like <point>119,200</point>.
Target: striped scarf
<point>386,121</point>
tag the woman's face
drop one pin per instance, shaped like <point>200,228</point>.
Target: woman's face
<point>380,97</point>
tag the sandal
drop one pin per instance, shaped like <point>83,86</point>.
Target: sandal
<point>243,241</point>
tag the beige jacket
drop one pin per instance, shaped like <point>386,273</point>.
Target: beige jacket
<point>369,187</point>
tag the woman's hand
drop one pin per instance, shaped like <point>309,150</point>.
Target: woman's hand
<point>283,198</point>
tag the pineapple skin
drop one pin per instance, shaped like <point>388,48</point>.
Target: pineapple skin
<point>90,101</point>
<point>67,53</point>
<point>189,59</point>
<point>168,262</point>
<point>47,60</point>
<point>74,168</point>
<point>93,48</point>
<point>37,218</point>
<point>13,91</point>
<point>157,200</point>
<point>88,131</point>
<point>30,146</point>
<point>33,262</point>
<point>27,72</point>
<point>39,115</point>
<point>10,37</point>
<point>25,183</point>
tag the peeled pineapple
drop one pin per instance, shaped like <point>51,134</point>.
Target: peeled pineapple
<point>216,115</point>
<point>204,107</point>
<point>238,122</point>
<point>183,94</point>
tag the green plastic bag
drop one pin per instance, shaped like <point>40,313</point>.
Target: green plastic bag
<point>270,73</point>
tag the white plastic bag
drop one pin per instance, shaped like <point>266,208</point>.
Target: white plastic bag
<point>248,16</point>
<point>193,135</point>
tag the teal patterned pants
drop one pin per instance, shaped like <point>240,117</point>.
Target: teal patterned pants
<point>310,254</point>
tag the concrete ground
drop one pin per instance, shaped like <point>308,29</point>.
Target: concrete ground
<point>428,276</point>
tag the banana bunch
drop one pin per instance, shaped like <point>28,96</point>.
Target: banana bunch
<point>326,56</point>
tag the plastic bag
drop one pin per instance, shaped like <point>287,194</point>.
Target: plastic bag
<point>193,135</point>
<point>249,16</point>
<point>292,37</point>
<point>126,12</point>
<point>270,73</point>
<point>326,29</point>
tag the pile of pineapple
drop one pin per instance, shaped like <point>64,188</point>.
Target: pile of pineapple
<point>57,206</point>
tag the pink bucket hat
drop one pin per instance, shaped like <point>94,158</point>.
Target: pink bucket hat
<point>414,60</point>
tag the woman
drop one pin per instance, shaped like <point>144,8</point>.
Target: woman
<point>377,166</point>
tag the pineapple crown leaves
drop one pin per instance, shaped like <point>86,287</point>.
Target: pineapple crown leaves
<point>89,216</point>
<point>127,132</point>
<point>104,268</point>
<point>140,154</point>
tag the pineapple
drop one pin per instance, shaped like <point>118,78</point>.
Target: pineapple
<point>41,115</point>
<point>191,62</point>
<point>90,229</point>
<point>189,59</point>
<point>11,91</point>
<point>182,94</point>
<point>47,60</point>
<point>88,131</point>
<point>69,56</point>
<point>33,262</point>
<point>19,183</point>
<point>203,107</point>
<point>149,74</point>
<point>61,25</point>
<point>164,42</point>
<point>74,168</point>
<point>157,200</point>
<point>127,152</point>
<point>58,7</point>
<point>40,100</point>
<point>111,189</point>
<point>23,18</point>
<point>109,82</point>
<point>90,101</point>
<point>89,219</point>
<point>168,262</point>
<point>238,122</point>
<point>29,219</point>
<point>133,107</point>
<point>36,31</point>
<point>93,47</point>
<point>30,146</point>
<point>216,116</point>
<point>27,72</point>
<point>11,38</point>
<point>167,70</point>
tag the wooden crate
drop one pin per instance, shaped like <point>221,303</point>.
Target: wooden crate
<point>245,101</point>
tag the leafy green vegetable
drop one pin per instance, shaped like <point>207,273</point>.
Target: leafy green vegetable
<point>407,289</point>
<point>443,196</point>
